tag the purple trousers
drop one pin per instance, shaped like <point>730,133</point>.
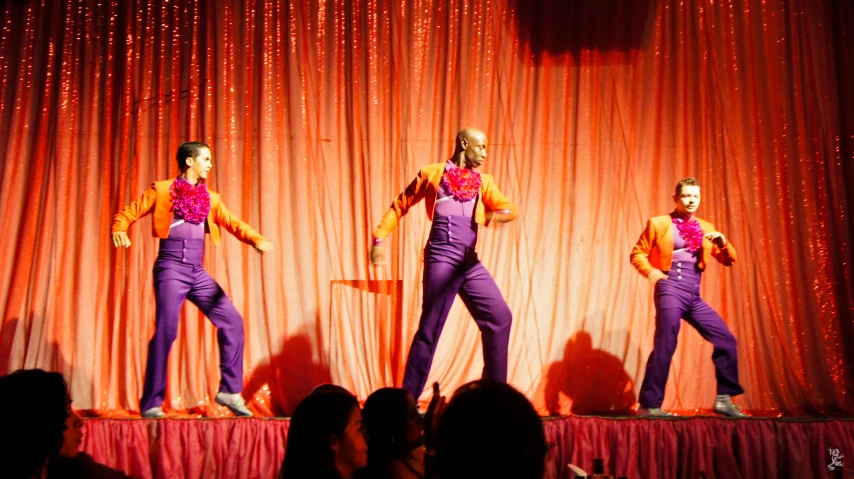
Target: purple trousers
<point>179,275</point>
<point>451,267</point>
<point>677,298</point>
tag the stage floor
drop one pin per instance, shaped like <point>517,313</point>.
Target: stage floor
<point>683,447</point>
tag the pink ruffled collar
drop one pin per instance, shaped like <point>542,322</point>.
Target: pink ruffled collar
<point>462,183</point>
<point>690,231</point>
<point>192,203</point>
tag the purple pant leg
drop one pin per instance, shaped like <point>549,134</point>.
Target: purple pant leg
<point>667,323</point>
<point>214,303</point>
<point>172,282</point>
<point>441,282</point>
<point>725,356</point>
<point>493,317</point>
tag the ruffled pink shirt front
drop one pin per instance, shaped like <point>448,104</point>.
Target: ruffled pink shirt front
<point>447,205</point>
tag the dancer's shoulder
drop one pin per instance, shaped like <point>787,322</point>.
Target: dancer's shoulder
<point>660,221</point>
<point>433,168</point>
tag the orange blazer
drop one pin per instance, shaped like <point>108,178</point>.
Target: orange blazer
<point>157,199</point>
<point>426,185</point>
<point>654,249</point>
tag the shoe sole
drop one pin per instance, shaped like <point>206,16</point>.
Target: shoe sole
<point>719,413</point>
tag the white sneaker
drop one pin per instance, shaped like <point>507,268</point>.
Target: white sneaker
<point>153,413</point>
<point>234,402</point>
<point>654,412</point>
<point>727,408</point>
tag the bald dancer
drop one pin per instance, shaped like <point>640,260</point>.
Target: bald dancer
<point>458,200</point>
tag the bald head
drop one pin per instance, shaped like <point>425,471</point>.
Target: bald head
<point>470,134</point>
<point>470,150</point>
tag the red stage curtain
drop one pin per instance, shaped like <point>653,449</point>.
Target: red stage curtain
<point>188,448</point>
<point>700,447</point>
<point>319,112</point>
<point>635,448</point>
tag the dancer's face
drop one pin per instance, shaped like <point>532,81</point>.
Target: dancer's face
<point>688,200</point>
<point>200,165</point>
<point>475,149</point>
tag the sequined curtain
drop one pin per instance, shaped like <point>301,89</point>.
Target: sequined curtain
<point>319,112</point>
